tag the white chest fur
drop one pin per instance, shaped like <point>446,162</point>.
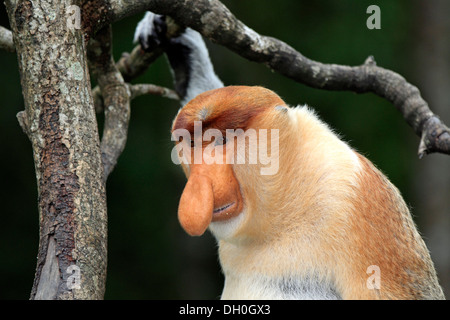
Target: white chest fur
<point>261,288</point>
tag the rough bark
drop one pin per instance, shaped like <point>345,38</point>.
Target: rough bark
<point>60,121</point>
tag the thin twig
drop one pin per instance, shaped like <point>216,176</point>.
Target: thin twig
<point>142,89</point>
<point>6,40</point>
<point>136,90</point>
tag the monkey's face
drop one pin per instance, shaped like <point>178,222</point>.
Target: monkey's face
<point>208,130</point>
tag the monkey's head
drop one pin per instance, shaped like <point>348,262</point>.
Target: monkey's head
<point>225,140</point>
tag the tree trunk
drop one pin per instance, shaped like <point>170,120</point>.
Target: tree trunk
<point>60,121</point>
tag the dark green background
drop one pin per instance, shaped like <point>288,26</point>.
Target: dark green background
<point>150,256</point>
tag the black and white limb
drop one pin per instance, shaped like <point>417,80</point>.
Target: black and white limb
<point>188,56</point>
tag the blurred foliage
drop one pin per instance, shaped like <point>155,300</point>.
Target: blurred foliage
<point>150,257</point>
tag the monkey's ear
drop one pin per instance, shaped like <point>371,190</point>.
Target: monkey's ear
<point>282,109</point>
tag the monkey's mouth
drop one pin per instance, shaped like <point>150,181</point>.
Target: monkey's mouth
<point>223,208</point>
<point>224,212</point>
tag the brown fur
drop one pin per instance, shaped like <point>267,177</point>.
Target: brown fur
<point>384,235</point>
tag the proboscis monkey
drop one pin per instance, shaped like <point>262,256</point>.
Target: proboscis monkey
<point>326,224</point>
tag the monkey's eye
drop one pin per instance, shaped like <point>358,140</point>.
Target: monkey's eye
<point>188,141</point>
<point>220,141</point>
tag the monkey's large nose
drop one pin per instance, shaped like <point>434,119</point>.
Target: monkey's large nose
<point>212,193</point>
<point>196,205</point>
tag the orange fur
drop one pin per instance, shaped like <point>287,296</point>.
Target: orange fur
<point>322,220</point>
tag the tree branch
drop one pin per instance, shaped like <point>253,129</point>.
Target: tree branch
<point>136,90</point>
<point>23,122</point>
<point>214,21</point>
<point>6,40</point>
<point>116,98</point>
<point>132,65</point>
<point>141,89</point>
